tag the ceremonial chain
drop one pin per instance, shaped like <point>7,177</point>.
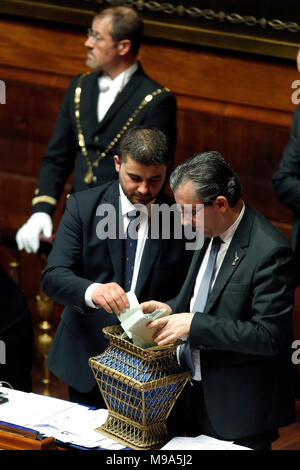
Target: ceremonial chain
<point>89,176</point>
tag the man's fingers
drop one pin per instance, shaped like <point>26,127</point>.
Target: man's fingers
<point>103,303</point>
<point>148,307</point>
<point>115,302</point>
<point>157,323</point>
<point>164,337</point>
<point>111,297</point>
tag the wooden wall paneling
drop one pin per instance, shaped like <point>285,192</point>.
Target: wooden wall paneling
<point>252,148</point>
<point>40,46</point>
<point>222,76</point>
<point>26,123</point>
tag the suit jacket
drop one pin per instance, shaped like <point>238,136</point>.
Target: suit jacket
<point>14,308</point>
<point>16,331</point>
<point>286,181</point>
<point>245,334</point>
<point>63,155</point>
<point>79,258</point>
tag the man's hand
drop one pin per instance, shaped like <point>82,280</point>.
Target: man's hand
<point>111,297</point>
<point>172,327</point>
<point>151,305</point>
<point>28,236</point>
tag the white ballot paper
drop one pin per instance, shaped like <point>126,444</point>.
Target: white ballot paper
<point>201,442</point>
<point>134,322</point>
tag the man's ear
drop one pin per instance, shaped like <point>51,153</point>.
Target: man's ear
<point>222,203</point>
<point>124,47</point>
<point>117,163</point>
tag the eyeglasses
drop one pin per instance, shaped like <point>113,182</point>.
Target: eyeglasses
<point>189,212</point>
<point>95,36</point>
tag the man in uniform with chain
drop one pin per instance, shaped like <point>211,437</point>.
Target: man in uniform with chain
<point>96,111</point>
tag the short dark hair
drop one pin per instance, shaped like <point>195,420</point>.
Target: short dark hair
<point>211,175</point>
<point>146,145</point>
<point>127,23</point>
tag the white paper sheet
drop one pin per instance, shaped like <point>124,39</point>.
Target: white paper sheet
<point>65,421</point>
<point>201,442</point>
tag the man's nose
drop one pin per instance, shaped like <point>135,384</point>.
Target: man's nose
<point>143,188</point>
<point>89,42</point>
<point>185,220</point>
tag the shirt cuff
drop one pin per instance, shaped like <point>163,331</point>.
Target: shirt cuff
<point>88,295</point>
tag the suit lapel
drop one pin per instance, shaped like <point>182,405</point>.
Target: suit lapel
<point>151,251</point>
<point>233,258</point>
<point>88,104</point>
<point>115,245</point>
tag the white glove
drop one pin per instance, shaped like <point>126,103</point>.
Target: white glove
<point>28,236</point>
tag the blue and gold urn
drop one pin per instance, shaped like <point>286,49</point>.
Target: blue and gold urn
<point>140,387</point>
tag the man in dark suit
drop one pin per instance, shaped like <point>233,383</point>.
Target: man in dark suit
<point>96,111</point>
<point>16,336</point>
<point>86,267</point>
<point>286,180</point>
<point>238,343</point>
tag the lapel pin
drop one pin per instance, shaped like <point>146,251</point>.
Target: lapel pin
<point>236,258</point>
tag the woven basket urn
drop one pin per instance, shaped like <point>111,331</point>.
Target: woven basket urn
<point>140,387</point>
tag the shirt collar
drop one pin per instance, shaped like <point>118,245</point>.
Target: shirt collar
<point>127,206</point>
<point>226,236</point>
<point>121,80</point>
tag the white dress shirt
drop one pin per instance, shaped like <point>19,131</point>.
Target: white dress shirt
<point>226,238</point>
<point>109,89</point>
<point>125,207</point>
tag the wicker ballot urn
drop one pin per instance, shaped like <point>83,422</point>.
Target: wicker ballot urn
<point>140,387</point>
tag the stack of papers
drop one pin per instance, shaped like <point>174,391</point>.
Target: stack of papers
<point>134,322</point>
<point>67,422</point>
<point>201,442</point>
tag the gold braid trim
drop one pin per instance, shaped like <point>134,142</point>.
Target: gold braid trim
<point>48,199</point>
<point>89,177</point>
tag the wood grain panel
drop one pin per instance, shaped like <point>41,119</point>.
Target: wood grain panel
<point>38,46</point>
<point>26,124</point>
<point>196,71</point>
<point>222,77</point>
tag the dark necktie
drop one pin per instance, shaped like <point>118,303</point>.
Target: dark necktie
<point>130,249</point>
<point>184,353</point>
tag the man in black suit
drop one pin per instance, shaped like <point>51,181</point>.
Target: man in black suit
<point>16,336</point>
<point>286,180</point>
<point>86,267</point>
<point>97,109</point>
<point>238,343</point>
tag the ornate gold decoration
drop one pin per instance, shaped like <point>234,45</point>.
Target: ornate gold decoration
<point>45,307</point>
<point>236,258</point>
<point>14,268</point>
<point>89,176</point>
<point>209,14</point>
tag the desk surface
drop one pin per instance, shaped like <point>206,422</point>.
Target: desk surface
<point>66,422</point>
<point>52,421</point>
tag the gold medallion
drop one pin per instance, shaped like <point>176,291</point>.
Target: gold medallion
<point>88,177</point>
